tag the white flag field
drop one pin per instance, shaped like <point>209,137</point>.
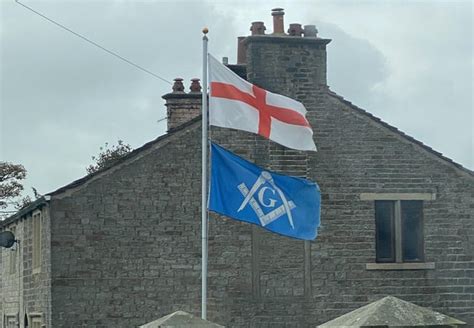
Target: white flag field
<point>238,104</point>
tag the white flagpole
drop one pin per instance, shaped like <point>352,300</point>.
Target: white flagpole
<point>204,179</point>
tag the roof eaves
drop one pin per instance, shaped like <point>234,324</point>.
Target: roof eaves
<point>402,134</point>
<point>25,210</point>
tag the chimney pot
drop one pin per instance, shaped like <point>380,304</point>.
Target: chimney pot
<point>310,31</point>
<point>178,85</point>
<point>225,60</point>
<point>295,30</point>
<point>195,85</point>
<point>258,28</point>
<point>278,25</point>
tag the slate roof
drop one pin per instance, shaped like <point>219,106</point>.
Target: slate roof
<point>181,319</point>
<point>393,312</point>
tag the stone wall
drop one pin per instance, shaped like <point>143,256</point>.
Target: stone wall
<point>26,291</point>
<point>127,245</point>
<point>358,156</point>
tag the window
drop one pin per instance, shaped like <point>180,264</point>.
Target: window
<point>399,231</point>
<point>37,222</point>
<point>36,320</point>
<point>13,252</point>
<point>11,321</point>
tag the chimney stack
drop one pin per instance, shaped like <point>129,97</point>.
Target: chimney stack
<point>285,63</point>
<point>278,25</point>
<point>181,106</point>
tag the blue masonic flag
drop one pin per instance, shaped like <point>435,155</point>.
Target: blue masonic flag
<point>283,204</point>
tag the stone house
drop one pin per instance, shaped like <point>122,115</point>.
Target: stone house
<point>122,247</point>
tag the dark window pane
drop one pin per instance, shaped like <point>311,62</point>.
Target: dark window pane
<point>412,230</point>
<point>385,232</point>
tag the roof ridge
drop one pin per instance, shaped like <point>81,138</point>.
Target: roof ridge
<point>401,133</point>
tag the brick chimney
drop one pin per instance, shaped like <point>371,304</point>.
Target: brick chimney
<point>292,64</point>
<point>181,106</point>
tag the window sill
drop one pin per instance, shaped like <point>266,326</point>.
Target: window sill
<point>401,266</point>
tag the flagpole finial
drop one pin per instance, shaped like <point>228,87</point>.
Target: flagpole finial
<point>205,30</point>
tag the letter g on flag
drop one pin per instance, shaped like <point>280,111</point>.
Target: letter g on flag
<point>261,198</point>
<point>266,177</point>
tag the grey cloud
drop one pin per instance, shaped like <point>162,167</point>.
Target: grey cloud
<point>354,65</point>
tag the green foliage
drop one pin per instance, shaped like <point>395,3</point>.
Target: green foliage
<point>108,156</point>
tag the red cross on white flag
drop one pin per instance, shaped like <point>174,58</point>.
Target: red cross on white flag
<point>238,104</point>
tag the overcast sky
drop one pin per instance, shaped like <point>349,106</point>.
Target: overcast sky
<point>409,63</point>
